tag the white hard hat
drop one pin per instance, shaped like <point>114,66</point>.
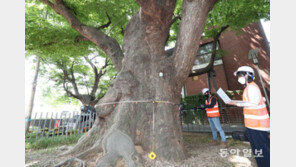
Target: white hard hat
<point>247,69</point>
<point>204,90</point>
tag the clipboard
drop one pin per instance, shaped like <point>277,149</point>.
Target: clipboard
<point>226,99</point>
<point>223,95</point>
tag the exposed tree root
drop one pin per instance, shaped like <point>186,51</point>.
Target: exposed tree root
<point>69,161</point>
<point>116,145</point>
<point>119,145</point>
<point>82,163</point>
<point>88,140</point>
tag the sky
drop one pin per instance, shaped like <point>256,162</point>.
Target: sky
<point>266,27</point>
<point>40,106</point>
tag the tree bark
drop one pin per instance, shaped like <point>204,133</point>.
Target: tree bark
<point>31,103</point>
<point>124,121</point>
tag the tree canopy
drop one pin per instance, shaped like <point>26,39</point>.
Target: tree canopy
<point>49,36</point>
<point>232,13</point>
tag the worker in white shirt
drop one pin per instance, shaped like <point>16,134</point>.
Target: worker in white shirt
<point>256,116</point>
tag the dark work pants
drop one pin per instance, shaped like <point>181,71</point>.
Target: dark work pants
<point>260,144</point>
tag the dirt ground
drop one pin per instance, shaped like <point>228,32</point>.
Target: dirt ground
<point>200,153</point>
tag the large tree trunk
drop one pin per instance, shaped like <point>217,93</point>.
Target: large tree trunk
<point>31,103</point>
<point>128,123</point>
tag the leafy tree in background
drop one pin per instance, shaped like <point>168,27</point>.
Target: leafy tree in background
<point>79,78</point>
<point>135,41</point>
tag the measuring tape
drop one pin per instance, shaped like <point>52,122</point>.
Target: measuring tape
<point>139,101</point>
<point>152,155</point>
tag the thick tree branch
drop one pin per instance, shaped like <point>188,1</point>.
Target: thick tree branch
<point>109,45</point>
<point>104,66</point>
<point>85,99</point>
<point>122,30</point>
<point>82,38</point>
<point>107,24</point>
<point>66,77</point>
<point>210,66</point>
<point>171,23</point>
<point>46,44</point>
<point>222,29</point>
<point>157,10</point>
<point>194,17</point>
<point>73,80</point>
<point>94,102</point>
<point>47,2</point>
<point>174,20</point>
<point>102,72</point>
<point>97,74</point>
<point>69,93</point>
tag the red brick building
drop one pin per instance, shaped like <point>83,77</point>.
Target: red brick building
<point>236,47</point>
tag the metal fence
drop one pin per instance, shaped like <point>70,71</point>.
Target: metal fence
<point>231,119</point>
<point>54,124</point>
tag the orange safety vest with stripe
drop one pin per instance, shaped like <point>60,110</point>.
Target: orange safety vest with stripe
<point>212,112</point>
<point>256,117</point>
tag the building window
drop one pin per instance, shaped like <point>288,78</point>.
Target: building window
<point>203,56</point>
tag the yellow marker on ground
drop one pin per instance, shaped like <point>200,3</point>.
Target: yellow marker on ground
<point>152,155</point>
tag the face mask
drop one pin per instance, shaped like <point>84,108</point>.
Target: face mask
<point>242,80</point>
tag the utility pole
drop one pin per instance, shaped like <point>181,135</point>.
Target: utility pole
<point>212,75</point>
<point>31,103</point>
<point>253,54</point>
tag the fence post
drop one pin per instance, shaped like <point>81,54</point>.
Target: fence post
<point>33,122</point>
<point>39,124</point>
<point>56,118</point>
<point>92,119</point>
<point>83,122</point>
<point>78,125</point>
<point>44,123</point>
<point>73,124</point>
<point>64,120</point>
<point>67,125</point>
<point>88,121</point>
<point>49,125</point>
<point>78,122</point>
<point>59,125</point>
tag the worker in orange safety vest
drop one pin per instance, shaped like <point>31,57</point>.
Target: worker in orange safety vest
<point>256,117</point>
<point>212,111</point>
